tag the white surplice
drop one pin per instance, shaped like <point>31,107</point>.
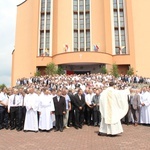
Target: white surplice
<point>46,106</point>
<point>32,105</point>
<point>145,110</point>
<point>113,107</point>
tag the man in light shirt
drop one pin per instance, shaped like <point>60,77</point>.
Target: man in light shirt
<point>13,107</point>
<point>88,100</point>
<point>3,105</point>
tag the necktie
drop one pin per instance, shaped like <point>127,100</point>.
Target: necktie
<point>22,100</point>
<point>79,97</point>
<point>58,98</point>
<point>14,100</point>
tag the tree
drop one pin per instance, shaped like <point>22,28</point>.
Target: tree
<point>114,70</point>
<point>51,69</point>
<point>37,73</point>
<point>2,86</point>
<point>130,71</point>
<point>103,70</point>
<point>60,70</point>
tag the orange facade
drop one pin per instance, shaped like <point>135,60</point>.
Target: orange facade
<point>26,58</point>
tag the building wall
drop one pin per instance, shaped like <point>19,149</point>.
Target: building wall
<point>26,59</point>
<point>26,40</point>
<point>141,29</point>
<point>98,25</point>
<point>64,24</point>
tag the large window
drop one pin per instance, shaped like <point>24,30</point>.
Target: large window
<point>42,5</point>
<point>76,41</point>
<point>75,5</point>
<point>87,40</point>
<point>81,21</point>
<point>87,20</point>
<point>75,21</point>
<point>119,27</point>
<point>81,40</point>
<point>81,2</point>
<point>87,6</point>
<point>41,42</point>
<point>42,21</point>
<point>81,15</point>
<point>48,5</point>
<point>45,23</point>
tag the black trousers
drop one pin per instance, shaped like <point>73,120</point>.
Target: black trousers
<point>6,118</point>
<point>23,116</point>
<point>97,116</point>
<point>59,122</point>
<point>85,114</point>
<point>2,114</point>
<point>89,115</point>
<point>79,117</point>
<point>14,117</point>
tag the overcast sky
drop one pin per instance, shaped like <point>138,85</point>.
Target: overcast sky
<point>8,10</point>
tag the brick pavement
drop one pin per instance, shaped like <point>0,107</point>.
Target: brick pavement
<point>71,139</point>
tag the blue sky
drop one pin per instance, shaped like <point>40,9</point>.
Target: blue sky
<point>8,10</point>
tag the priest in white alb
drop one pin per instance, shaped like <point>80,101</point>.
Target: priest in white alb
<point>145,107</point>
<point>46,107</point>
<point>32,105</point>
<point>113,107</point>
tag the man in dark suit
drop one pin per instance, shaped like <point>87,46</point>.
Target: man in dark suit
<point>60,110</point>
<point>79,108</point>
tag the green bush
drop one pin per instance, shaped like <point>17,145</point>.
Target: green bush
<point>51,69</point>
<point>37,73</point>
<point>60,70</point>
<point>114,70</point>
<point>130,71</point>
<point>103,70</point>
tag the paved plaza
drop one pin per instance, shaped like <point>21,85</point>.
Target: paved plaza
<point>133,138</point>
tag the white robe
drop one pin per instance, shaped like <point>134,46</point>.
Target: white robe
<point>113,107</point>
<point>46,106</point>
<point>145,110</point>
<point>31,119</point>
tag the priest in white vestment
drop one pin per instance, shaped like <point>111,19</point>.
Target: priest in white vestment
<point>113,107</point>
<point>32,105</point>
<point>145,107</point>
<point>46,107</point>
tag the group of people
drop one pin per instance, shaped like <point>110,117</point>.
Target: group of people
<point>47,102</point>
<point>138,106</point>
<point>26,110</point>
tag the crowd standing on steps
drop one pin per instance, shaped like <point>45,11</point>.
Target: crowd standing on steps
<point>62,101</point>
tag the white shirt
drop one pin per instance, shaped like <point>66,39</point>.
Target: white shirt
<point>88,98</point>
<point>58,98</point>
<point>11,101</point>
<point>3,98</point>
